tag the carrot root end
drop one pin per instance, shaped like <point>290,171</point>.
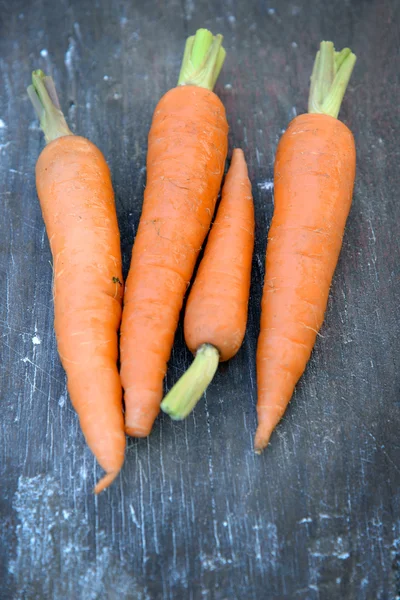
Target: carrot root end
<point>137,432</point>
<point>262,438</point>
<point>105,482</point>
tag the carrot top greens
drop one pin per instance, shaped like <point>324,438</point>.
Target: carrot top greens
<point>202,59</point>
<point>329,79</point>
<point>44,98</point>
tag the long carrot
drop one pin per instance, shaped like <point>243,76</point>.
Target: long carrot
<point>187,149</point>
<point>77,200</point>
<point>216,311</point>
<point>314,178</point>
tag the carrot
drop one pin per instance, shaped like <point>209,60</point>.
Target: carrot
<point>216,310</point>
<point>77,200</point>
<point>187,149</point>
<point>314,177</point>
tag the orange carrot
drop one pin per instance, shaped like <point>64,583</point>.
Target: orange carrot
<point>314,178</point>
<point>216,311</point>
<point>186,155</point>
<point>77,200</point>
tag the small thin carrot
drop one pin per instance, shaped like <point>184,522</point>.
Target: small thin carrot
<point>314,178</point>
<point>185,164</point>
<point>216,311</point>
<point>77,200</point>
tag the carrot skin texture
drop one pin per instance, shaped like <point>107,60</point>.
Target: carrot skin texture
<point>313,185</point>
<point>77,200</point>
<point>187,149</point>
<point>216,310</point>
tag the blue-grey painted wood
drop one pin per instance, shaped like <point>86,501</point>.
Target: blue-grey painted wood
<point>195,514</point>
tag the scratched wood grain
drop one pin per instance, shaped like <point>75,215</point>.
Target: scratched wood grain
<point>195,514</point>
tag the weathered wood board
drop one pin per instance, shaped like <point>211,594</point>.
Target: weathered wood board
<point>195,514</point>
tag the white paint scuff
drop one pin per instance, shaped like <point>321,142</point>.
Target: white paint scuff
<point>36,341</point>
<point>44,53</point>
<point>189,8</point>
<point>2,124</point>
<point>272,537</point>
<point>335,548</point>
<point>305,520</point>
<point>53,558</point>
<point>213,562</point>
<point>70,57</point>
<point>266,185</point>
<point>33,126</point>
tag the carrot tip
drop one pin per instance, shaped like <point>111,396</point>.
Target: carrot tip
<point>261,439</point>
<point>105,482</point>
<point>138,432</point>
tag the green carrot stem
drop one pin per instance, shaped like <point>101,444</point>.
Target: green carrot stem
<point>44,98</point>
<point>330,77</point>
<point>183,397</point>
<point>340,57</point>
<point>202,59</point>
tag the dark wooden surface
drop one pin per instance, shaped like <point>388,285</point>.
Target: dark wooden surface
<point>195,514</point>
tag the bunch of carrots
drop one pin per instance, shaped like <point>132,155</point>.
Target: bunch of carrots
<point>187,149</point>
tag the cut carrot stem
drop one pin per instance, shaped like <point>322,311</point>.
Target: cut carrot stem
<point>183,397</point>
<point>330,77</point>
<point>202,59</point>
<point>43,96</point>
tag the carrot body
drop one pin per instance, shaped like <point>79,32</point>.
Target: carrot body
<point>77,201</point>
<point>216,310</point>
<point>187,149</point>
<point>313,178</point>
